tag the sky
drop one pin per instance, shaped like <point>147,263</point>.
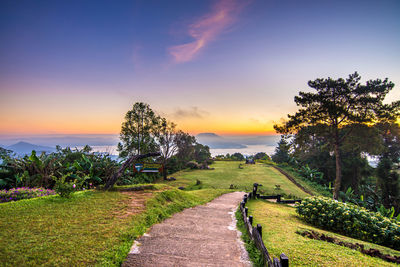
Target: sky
<point>231,67</point>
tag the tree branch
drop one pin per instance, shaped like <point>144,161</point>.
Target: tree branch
<point>113,179</point>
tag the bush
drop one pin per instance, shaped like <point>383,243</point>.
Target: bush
<point>193,165</point>
<point>68,183</point>
<point>15,194</point>
<point>39,170</point>
<point>350,220</point>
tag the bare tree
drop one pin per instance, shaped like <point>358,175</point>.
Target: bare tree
<point>166,138</point>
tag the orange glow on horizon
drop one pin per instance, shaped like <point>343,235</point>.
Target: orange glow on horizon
<point>114,128</point>
<point>88,120</point>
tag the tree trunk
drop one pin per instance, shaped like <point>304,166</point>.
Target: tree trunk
<point>338,179</point>
<point>165,173</point>
<point>113,179</point>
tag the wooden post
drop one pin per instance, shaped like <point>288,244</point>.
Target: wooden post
<point>259,229</point>
<point>246,211</point>
<point>284,260</point>
<point>242,204</point>
<point>257,195</point>
<point>251,220</point>
<point>278,198</point>
<point>255,186</point>
<point>245,198</point>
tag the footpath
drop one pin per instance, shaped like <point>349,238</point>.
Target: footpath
<point>201,236</point>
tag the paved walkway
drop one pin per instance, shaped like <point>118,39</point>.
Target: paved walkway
<point>201,236</point>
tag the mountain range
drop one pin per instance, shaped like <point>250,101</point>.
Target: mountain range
<point>23,148</point>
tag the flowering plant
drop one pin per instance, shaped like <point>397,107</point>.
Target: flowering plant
<point>350,220</point>
<point>68,183</point>
<point>19,193</point>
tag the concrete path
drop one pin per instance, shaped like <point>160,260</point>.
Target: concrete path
<point>201,236</point>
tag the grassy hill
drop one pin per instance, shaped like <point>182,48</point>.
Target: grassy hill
<point>98,228</point>
<point>90,228</point>
<point>227,173</point>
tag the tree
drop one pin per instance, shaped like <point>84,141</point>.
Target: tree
<point>166,138</point>
<point>261,155</point>
<point>116,175</point>
<point>138,131</point>
<point>338,103</point>
<point>201,153</point>
<point>186,144</point>
<point>282,151</point>
<point>388,178</point>
<point>237,156</point>
<point>361,140</point>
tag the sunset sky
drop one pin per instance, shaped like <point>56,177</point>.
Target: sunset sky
<point>223,66</point>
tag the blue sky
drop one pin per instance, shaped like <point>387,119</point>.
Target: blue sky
<point>224,66</point>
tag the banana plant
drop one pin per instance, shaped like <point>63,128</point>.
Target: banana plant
<point>389,213</point>
<point>311,174</point>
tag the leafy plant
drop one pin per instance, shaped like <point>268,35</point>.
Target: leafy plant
<point>389,213</point>
<point>311,174</point>
<point>68,183</point>
<point>350,220</point>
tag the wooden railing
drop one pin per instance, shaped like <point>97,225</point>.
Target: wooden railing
<point>278,198</point>
<point>255,234</point>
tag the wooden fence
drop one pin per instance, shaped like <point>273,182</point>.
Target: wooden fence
<point>278,198</point>
<point>255,232</point>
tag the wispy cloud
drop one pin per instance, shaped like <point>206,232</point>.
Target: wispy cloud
<point>205,29</point>
<point>192,112</point>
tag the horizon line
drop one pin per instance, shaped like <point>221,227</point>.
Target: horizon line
<point>104,134</point>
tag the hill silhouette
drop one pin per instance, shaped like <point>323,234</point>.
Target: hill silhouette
<point>215,141</point>
<point>22,148</point>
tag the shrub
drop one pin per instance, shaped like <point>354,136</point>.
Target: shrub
<point>193,165</point>
<point>266,161</point>
<point>350,220</point>
<point>15,194</point>
<point>68,183</point>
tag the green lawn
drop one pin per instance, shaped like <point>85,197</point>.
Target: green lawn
<point>314,188</point>
<point>228,172</point>
<point>88,229</point>
<point>280,224</point>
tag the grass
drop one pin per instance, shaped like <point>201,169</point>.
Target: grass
<point>313,187</point>
<point>90,228</point>
<point>254,253</point>
<point>52,231</point>
<point>227,173</point>
<point>280,224</point>
<point>86,229</point>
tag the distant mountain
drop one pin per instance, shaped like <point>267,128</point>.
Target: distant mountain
<point>22,148</point>
<point>217,142</point>
<point>268,140</point>
<point>63,140</point>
